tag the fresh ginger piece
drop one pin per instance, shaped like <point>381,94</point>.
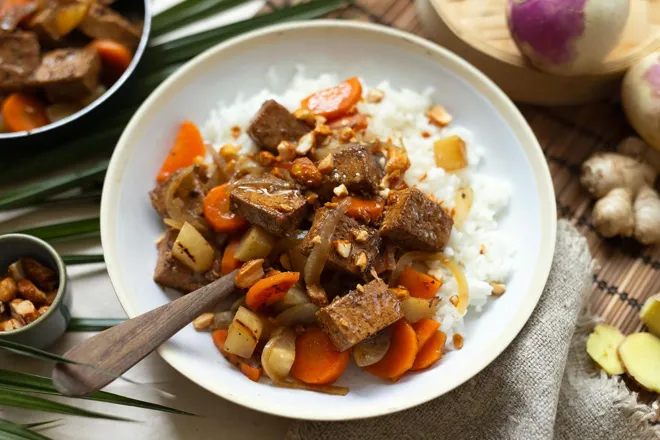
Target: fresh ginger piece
<point>640,356</point>
<point>651,314</point>
<point>602,345</point>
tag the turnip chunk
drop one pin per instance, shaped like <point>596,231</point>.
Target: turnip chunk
<point>640,94</point>
<point>567,37</point>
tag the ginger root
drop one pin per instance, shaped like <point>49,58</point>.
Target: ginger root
<point>650,314</point>
<point>627,203</point>
<point>602,345</point>
<point>640,355</point>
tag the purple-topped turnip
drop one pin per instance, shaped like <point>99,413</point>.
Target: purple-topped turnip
<point>567,37</point>
<point>640,94</point>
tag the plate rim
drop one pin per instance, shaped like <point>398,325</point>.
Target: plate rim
<point>486,87</point>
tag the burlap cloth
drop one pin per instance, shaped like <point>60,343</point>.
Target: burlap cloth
<point>542,387</point>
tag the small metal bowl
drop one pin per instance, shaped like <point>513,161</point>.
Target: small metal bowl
<point>43,332</point>
<point>71,125</point>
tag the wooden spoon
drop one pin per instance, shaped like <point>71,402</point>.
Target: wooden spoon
<point>119,348</point>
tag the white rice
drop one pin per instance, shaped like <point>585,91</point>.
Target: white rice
<point>401,115</point>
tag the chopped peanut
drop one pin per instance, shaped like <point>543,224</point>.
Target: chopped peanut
<point>361,261</point>
<point>327,164</point>
<point>303,114</point>
<point>453,300</point>
<point>11,324</point>
<point>374,96</point>
<point>401,292</point>
<point>8,289</point>
<point>285,261</point>
<point>305,172</point>
<point>306,143</point>
<point>316,239</point>
<point>343,248</point>
<point>286,150</point>
<point>43,309</point>
<point>346,134</point>
<point>438,116</point>
<point>359,288</point>
<point>230,151</point>
<point>30,292</point>
<point>321,129</point>
<point>266,158</point>
<point>360,235</point>
<point>235,131</point>
<point>249,273</point>
<point>203,321</point>
<point>23,310</point>
<point>458,341</point>
<point>498,289</point>
<point>340,190</point>
<point>198,160</point>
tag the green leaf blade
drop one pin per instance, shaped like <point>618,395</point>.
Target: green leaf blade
<point>10,431</point>
<point>66,231</point>
<point>188,12</point>
<point>83,259</point>
<point>92,324</point>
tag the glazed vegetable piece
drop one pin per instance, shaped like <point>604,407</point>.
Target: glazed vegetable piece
<point>247,366</point>
<point>317,361</point>
<point>69,16</point>
<point>243,333</point>
<point>336,101</point>
<point>431,352</point>
<point>372,350</point>
<point>115,56</point>
<point>418,284</point>
<point>401,354</point>
<point>192,249</point>
<point>450,154</point>
<point>279,354</point>
<point>640,356</point>
<point>23,113</point>
<point>218,214</point>
<point>368,211</point>
<point>255,243</point>
<point>425,328</point>
<point>229,261</point>
<point>187,146</point>
<point>268,291</point>
<point>602,347</point>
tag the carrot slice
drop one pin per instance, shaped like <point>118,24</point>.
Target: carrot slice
<point>357,122</point>
<point>431,352</point>
<point>270,290</point>
<point>187,146</point>
<point>425,328</point>
<point>420,285</point>
<point>317,360</point>
<point>115,56</point>
<point>229,262</point>
<point>366,210</point>
<point>218,213</point>
<point>253,372</point>
<point>23,113</point>
<point>401,354</point>
<point>336,101</point>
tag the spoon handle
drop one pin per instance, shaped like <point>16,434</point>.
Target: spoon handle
<point>119,348</point>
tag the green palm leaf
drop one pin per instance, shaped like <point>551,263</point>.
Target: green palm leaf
<point>92,324</point>
<point>188,12</point>
<point>30,383</point>
<point>12,431</point>
<point>17,400</point>
<point>83,259</point>
<point>40,424</point>
<point>65,231</point>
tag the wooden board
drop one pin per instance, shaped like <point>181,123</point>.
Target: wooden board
<point>628,272</point>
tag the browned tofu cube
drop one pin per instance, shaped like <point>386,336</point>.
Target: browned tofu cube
<point>273,124</point>
<point>29,291</point>
<point>103,23</point>
<point>413,221</point>
<point>269,202</point>
<point>347,254</point>
<point>170,272</point>
<point>196,186</point>
<point>356,168</point>
<point>11,324</point>
<point>44,23</point>
<point>19,58</point>
<point>23,311</point>
<point>359,315</point>
<point>43,277</point>
<point>68,74</point>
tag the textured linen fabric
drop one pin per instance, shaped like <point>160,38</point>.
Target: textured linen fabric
<point>542,387</point>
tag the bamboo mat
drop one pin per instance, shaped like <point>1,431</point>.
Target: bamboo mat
<point>628,272</point>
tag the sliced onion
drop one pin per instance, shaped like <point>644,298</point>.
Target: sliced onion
<point>333,390</point>
<point>222,320</point>
<point>298,260</point>
<point>321,252</point>
<point>220,164</point>
<point>174,224</point>
<point>462,205</point>
<point>294,297</point>
<point>303,314</point>
<point>288,242</point>
<point>371,350</point>
<point>279,354</point>
<point>463,291</point>
<point>175,210</point>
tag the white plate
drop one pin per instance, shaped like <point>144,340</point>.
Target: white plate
<point>130,226</point>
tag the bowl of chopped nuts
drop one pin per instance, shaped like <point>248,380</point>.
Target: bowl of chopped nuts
<point>34,297</point>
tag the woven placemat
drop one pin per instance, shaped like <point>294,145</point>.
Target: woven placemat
<point>628,272</point>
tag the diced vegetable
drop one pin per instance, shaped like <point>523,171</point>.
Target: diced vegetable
<point>415,309</point>
<point>401,354</point>
<point>602,347</point>
<point>23,113</point>
<point>192,249</point>
<point>302,314</point>
<point>425,328</point>
<point>218,213</point>
<point>640,356</point>
<point>294,297</point>
<point>222,320</point>
<point>249,320</point>
<point>252,372</point>
<point>229,262</point>
<point>269,290</point>
<point>247,366</point>
<point>68,17</point>
<point>249,273</point>
<point>115,56</point>
<point>450,154</point>
<point>430,352</point>
<point>462,206</point>
<point>203,321</point>
<point>243,333</point>
<point>418,284</point>
<point>256,243</point>
<point>317,361</point>
<point>187,146</point>
<point>336,101</point>
<point>279,354</point>
<point>651,314</point>
<point>372,350</point>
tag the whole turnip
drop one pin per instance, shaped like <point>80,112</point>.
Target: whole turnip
<point>567,37</point>
<point>640,94</point>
